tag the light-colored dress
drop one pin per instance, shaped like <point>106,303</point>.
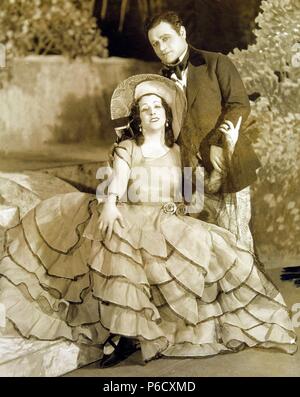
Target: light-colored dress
<point>181,286</point>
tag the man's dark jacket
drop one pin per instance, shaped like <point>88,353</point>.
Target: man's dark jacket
<point>215,93</point>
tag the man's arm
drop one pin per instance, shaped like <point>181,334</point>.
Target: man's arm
<point>235,102</point>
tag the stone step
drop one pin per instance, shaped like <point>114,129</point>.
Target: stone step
<point>75,164</point>
<point>19,192</point>
<point>83,176</point>
<point>26,358</point>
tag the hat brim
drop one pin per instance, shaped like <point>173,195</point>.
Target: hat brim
<point>135,86</point>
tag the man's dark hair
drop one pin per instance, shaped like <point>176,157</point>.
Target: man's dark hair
<point>167,16</point>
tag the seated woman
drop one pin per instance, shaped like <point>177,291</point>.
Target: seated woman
<point>135,264</point>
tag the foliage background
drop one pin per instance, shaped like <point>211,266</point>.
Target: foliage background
<point>270,68</point>
<point>56,27</point>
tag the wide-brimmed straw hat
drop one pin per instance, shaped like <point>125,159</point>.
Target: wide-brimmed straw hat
<point>139,85</point>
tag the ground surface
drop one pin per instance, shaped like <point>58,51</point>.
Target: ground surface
<point>251,362</point>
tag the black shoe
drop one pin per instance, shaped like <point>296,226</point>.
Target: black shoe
<point>291,274</point>
<point>124,349</point>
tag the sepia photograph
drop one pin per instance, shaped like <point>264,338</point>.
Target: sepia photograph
<point>149,190</point>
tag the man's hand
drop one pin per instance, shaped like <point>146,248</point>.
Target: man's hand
<point>230,131</point>
<point>217,158</point>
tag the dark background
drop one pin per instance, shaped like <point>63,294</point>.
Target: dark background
<point>213,25</point>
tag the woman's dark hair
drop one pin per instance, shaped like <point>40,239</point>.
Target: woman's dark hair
<point>134,130</point>
<point>170,17</point>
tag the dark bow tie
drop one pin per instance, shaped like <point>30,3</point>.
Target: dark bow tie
<point>178,68</point>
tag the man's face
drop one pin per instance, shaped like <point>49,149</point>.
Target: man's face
<point>167,44</point>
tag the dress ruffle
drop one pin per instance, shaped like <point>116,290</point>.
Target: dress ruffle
<point>181,286</point>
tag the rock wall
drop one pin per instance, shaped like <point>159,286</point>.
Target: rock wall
<point>51,99</point>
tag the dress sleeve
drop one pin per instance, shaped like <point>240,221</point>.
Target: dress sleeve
<point>122,162</point>
<point>123,151</point>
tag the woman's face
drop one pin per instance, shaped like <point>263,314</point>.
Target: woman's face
<point>152,113</point>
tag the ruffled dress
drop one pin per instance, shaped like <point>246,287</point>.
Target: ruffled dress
<point>180,286</point>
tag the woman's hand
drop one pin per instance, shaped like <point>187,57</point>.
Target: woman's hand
<point>109,215</point>
<point>231,133</point>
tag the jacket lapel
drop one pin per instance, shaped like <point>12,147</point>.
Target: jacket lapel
<point>196,71</point>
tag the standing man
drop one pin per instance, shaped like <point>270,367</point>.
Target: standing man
<point>215,95</point>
